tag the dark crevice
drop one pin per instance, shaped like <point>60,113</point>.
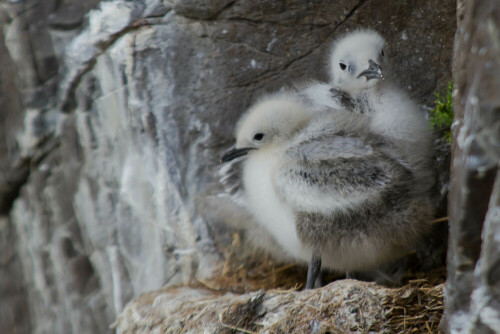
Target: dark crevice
<point>223,10</point>
<point>351,13</point>
<point>294,24</point>
<point>212,17</point>
<point>65,26</point>
<point>10,188</point>
<point>161,15</point>
<point>272,73</point>
<point>275,23</point>
<point>33,58</point>
<point>328,37</point>
<point>57,4</point>
<point>17,176</point>
<point>68,101</point>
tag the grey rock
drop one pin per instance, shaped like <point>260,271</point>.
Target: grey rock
<point>14,316</point>
<point>69,15</point>
<point>196,9</point>
<point>472,297</point>
<point>189,310</point>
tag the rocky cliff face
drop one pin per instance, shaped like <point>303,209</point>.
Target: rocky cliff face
<point>474,205</point>
<point>113,119</point>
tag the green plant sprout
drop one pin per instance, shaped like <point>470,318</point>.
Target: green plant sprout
<point>442,116</point>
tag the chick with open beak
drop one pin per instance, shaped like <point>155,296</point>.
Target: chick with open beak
<point>374,71</point>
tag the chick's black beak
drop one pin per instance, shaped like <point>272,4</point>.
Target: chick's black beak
<point>374,71</point>
<point>235,153</point>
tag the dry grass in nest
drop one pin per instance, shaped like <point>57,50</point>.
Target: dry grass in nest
<point>254,273</point>
<point>259,273</point>
<point>415,307</point>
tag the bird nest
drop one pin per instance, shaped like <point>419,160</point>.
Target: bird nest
<point>414,307</point>
<point>417,306</point>
<point>264,297</point>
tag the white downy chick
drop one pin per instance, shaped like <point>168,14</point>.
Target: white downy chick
<point>326,187</point>
<point>360,68</point>
<point>262,133</point>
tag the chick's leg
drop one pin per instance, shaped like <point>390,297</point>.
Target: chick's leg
<point>313,270</point>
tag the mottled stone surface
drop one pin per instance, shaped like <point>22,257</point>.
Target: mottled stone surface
<point>113,119</point>
<point>14,317</point>
<point>473,204</point>
<point>346,306</point>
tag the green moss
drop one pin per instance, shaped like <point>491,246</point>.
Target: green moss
<point>442,116</point>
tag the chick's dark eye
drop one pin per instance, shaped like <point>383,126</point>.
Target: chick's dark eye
<point>342,66</point>
<point>258,136</point>
<point>382,53</point>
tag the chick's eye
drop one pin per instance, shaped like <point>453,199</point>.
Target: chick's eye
<point>258,136</point>
<point>382,53</point>
<point>342,66</point>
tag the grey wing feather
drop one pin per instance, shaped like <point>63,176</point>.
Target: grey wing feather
<point>230,178</point>
<point>223,201</point>
<point>334,172</point>
<point>329,148</point>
